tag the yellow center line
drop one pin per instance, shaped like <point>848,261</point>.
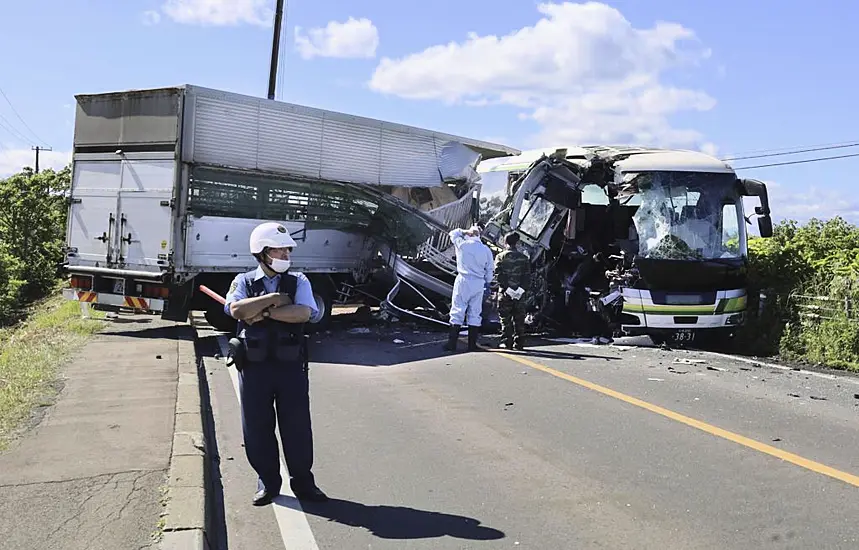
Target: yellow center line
<point>703,426</point>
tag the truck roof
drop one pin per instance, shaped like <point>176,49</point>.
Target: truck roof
<point>488,150</point>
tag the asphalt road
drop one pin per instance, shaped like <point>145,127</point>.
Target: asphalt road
<point>562,446</point>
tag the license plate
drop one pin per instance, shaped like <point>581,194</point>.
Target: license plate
<point>119,286</point>
<point>684,336</point>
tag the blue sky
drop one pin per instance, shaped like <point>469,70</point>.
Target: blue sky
<point>729,76</point>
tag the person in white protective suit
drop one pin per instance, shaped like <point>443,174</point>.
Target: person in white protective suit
<point>474,272</point>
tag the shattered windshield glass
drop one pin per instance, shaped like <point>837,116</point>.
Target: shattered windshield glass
<point>687,215</point>
<point>538,212</point>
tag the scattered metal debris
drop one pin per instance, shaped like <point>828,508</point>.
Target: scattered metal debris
<point>683,361</point>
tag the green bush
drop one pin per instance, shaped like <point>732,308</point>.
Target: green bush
<point>32,235</point>
<point>809,275</point>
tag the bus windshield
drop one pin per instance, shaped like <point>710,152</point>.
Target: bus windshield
<point>687,215</point>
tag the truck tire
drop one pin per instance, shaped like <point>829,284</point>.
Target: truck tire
<point>323,293</point>
<point>220,320</point>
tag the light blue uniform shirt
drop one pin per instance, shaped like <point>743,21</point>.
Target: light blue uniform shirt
<point>303,291</point>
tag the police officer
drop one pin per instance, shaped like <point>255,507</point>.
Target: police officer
<point>513,269</point>
<point>474,273</point>
<point>272,307</point>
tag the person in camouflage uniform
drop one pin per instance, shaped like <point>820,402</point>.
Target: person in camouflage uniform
<point>513,270</point>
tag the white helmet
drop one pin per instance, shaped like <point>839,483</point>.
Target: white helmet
<point>272,235</point>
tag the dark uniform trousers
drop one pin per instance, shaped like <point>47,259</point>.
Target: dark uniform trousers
<point>262,386</point>
<point>512,313</point>
<point>274,386</point>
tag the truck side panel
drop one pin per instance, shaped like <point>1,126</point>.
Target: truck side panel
<point>248,133</point>
<point>216,243</point>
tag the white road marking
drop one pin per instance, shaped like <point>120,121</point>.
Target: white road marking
<point>782,367</point>
<point>825,376</point>
<point>294,528</point>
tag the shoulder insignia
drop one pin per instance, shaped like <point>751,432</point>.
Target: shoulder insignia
<point>233,286</point>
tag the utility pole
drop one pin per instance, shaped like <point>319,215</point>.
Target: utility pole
<point>275,49</point>
<point>37,149</point>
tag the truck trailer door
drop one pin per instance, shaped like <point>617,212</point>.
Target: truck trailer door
<point>121,211</point>
<point>93,211</point>
<point>144,224</point>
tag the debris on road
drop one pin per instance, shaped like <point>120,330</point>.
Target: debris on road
<point>817,398</point>
<point>398,341</point>
<point>719,369</point>
<point>359,330</point>
<point>684,361</point>
<point>656,379</point>
<point>794,395</point>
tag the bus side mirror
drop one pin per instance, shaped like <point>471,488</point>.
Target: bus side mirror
<point>765,226</point>
<point>755,188</point>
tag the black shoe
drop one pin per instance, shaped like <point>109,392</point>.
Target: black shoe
<point>452,338</point>
<point>311,494</point>
<point>473,333</point>
<point>519,345</point>
<point>264,497</point>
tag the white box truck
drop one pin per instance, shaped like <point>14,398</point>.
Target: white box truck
<point>168,183</point>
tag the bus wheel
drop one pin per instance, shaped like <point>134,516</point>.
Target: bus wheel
<point>657,339</point>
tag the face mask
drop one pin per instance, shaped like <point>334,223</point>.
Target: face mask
<point>279,266</point>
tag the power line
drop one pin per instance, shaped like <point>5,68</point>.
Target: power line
<point>797,151</point>
<point>6,125</point>
<point>819,159</point>
<point>21,119</point>
<point>736,156</point>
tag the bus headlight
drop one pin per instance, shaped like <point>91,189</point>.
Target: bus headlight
<point>735,319</point>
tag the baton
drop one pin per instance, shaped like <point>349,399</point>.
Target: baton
<point>212,294</point>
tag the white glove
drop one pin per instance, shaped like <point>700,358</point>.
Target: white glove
<point>515,294</point>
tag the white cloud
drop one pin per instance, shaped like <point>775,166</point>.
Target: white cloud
<point>353,38</point>
<point>220,12</point>
<point>816,203</point>
<point>582,72</point>
<point>151,17</point>
<point>13,161</point>
<point>710,148</point>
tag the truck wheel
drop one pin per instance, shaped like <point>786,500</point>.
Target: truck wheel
<point>221,321</point>
<point>323,293</point>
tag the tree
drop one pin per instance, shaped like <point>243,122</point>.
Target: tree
<point>32,230</point>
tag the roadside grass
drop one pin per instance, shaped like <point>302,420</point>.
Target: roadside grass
<point>31,354</point>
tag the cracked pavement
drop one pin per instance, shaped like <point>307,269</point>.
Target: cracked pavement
<point>90,474</point>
